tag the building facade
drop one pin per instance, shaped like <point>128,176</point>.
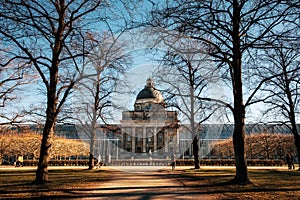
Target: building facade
<point>150,129</point>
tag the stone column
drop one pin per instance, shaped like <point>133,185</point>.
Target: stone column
<point>177,140</point>
<point>144,139</point>
<point>166,145</point>
<point>155,139</point>
<point>133,142</point>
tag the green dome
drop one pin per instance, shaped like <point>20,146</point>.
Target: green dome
<point>148,96</point>
<point>149,92</point>
<point>146,93</point>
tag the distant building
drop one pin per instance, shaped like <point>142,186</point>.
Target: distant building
<point>150,128</point>
<point>151,131</point>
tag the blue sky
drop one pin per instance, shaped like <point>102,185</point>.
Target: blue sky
<point>142,67</point>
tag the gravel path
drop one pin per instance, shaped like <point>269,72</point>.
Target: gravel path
<point>147,184</point>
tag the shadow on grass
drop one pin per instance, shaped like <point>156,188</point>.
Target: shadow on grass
<point>146,192</point>
<point>202,182</point>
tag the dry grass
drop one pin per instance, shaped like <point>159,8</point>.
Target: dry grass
<point>276,183</point>
<point>18,183</point>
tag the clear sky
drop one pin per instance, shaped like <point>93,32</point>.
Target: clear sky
<point>143,67</point>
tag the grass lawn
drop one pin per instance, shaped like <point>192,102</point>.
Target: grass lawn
<point>272,183</point>
<point>17,182</point>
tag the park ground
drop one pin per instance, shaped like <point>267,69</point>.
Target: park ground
<point>148,182</point>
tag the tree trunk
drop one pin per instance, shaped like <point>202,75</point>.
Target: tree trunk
<point>292,115</point>
<point>91,161</point>
<point>241,176</point>
<point>91,156</point>
<point>48,131</point>
<point>196,152</point>
<point>297,143</point>
<point>42,170</point>
<point>296,136</point>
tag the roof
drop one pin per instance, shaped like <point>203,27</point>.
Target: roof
<point>149,91</point>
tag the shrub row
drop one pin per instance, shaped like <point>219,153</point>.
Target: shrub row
<point>265,162</point>
<point>140,162</point>
<point>186,162</point>
<point>230,162</point>
<point>58,163</point>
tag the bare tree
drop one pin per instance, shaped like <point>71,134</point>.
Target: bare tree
<point>108,62</point>
<point>51,36</point>
<point>186,75</point>
<point>230,30</point>
<point>282,92</point>
<point>13,76</point>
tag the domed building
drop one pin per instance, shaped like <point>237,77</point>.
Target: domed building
<point>148,97</point>
<point>150,129</point>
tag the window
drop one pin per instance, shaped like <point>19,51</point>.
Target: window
<point>160,137</point>
<point>128,148</point>
<point>138,139</point>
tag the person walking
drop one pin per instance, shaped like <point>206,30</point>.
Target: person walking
<point>19,162</point>
<point>99,162</point>
<point>292,161</point>
<point>287,160</point>
<point>173,161</point>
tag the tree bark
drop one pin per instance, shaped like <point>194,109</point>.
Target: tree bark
<point>297,143</point>
<point>291,113</point>
<point>92,144</point>
<point>241,176</point>
<point>295,131</point>
<point>51,116</point>
<point>48,133</point>
<point>196,152</point>
<point>91,161</point>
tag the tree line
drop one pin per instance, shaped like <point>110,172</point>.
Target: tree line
<point>258,146</point>
<point>28,145</point>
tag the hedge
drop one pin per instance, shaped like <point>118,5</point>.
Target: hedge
<point>59,163</point>
<point>161,162</point>
<point>230,162</point>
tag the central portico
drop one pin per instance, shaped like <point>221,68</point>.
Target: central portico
<point>150,130</point>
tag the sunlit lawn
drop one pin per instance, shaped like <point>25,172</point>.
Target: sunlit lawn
<point>273,183</point>
<point>17,183</point>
